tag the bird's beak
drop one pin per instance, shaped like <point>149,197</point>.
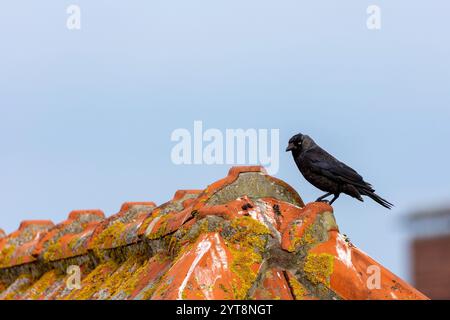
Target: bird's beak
<point>290,147</point>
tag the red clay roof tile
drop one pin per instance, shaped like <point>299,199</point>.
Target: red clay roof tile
<point>204,272</point>
<point>17,247</point>
<point>35,224</point>
<point>247,236</point>
<point>274,286</point>
<point>86,214</point>
<point>122,228</point>
<point>61,241</point>
<point>170,215</point>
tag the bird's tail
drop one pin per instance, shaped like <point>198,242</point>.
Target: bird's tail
<point>376,198</point>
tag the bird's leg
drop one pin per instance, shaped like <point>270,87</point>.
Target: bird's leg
<point>320,199</point>
<point>334,199</point>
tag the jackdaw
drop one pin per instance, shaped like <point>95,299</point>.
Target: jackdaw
<point>327,173</point>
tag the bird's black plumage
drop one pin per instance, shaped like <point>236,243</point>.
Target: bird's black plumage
<point>327,173</point>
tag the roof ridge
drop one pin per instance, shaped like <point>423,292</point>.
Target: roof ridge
<point>75,214</point>
<point>246,236</point>
<point>27,223</point>
<point>128,205</point>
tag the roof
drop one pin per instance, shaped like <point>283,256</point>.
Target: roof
<point>429,223</point>
<point>247,236</point>
<point>430,213</point>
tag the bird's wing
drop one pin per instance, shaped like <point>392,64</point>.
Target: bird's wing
<point>324,163</point>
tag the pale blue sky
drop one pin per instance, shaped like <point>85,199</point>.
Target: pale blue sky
<point>86,116</point>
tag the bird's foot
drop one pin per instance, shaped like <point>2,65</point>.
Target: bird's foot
<point>323,200</point>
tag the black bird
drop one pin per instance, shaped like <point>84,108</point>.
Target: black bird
<point>327,173</point>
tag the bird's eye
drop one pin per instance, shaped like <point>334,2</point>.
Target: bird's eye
<point>299,143</point>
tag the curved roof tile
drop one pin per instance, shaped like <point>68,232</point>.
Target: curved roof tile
<point>247,236</point>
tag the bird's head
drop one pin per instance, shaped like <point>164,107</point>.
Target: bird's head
<point>295,143</point>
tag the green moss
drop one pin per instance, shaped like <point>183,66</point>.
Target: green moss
<point>202,228</point>
<point>172,244</point>
<point>223,288</point>
<point>318,268</point>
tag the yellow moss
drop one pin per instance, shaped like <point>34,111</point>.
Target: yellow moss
<point>297,288</point>
<point>306,239</point>
<point>137,275</point>
<point>250,224</point>
<point>249,233</point>
<point>6,254</point>
<point>94,280</point>
<point>161,286</point>
<point>246,245</point>
<point>73,242</point>
<point>53,251</point>
<point>148,220</point>
<point>161,258</point>
<point>20,260</point>
<point>111,233</point>
<point>149,292</point>
<point>108,235</point>
<point>173,245</point>
<point>20,286</point>
<point>319,267</point>
<point>41,285</point>
<point>243,260</point>
<point>161,229</point>
<point>113,283</point>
